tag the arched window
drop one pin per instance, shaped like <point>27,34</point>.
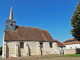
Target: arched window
<point>21,45</point>
<point>41,45</point>
<point>50,45</point>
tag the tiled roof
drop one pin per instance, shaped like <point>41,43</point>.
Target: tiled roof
<point>59,44</point>
<point>28,33</point>
<point>70,41</point>
<point>46,35</point>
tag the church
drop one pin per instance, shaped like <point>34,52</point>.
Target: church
<point>25,41</point>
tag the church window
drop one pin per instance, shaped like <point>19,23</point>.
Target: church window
<point>70,47</point>
<point>50,45</point>
<point>41,45</point>
<point>21,45</point>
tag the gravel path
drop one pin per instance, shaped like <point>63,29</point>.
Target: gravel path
<point>44,57</point>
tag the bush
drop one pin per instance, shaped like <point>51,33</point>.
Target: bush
<point>1,50</point>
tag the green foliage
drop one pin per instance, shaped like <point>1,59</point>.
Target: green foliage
<point>75,55</point>
<point>75,23</point>
<point>1,50</point>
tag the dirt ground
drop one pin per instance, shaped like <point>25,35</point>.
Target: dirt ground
<point>43,57</point>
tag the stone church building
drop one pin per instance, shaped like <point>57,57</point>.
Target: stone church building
<point>25,41</point>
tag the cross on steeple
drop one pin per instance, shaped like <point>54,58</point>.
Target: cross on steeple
<point>11,3</point>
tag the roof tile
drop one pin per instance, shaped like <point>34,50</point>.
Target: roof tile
<point>28,33</point>
<point>71,42</point>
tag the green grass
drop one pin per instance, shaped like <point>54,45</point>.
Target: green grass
<point>75,55</point>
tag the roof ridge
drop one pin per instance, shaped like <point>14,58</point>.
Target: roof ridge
<point>68,40</point>
<point>43,29</point>
<point>71,39</point>
<point>27,26</point>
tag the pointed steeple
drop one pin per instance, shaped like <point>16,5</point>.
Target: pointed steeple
<point>11,14</point>
<point>11,18</point>
<point>11,23</point>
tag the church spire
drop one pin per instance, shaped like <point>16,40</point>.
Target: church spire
<point>11,14</point>
<point>11,23</point>
<point>11,18</point>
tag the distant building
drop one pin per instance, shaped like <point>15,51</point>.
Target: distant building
<point>72,44</point>
<point>25,41</point>
<point>60,45</point>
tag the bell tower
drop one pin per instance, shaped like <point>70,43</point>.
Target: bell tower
<point>10,23</point>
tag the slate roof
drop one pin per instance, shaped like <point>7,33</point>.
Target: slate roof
<point>27,33</point>
<point>70,41</point>
<point>59,44</point>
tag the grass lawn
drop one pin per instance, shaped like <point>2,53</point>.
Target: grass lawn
<point>75,55</point>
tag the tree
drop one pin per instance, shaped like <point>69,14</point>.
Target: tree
<point>75,23</point>
<point>1,50</point>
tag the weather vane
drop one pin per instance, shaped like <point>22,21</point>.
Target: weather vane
<point>11,3</point>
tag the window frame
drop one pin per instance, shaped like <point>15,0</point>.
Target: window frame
<point>50,44</point>
<point>70,47</point>
<point>41,45</point>
<point>21,44</point>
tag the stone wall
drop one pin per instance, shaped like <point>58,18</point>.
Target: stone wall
<point>69,51</point>
<point>11,49</point>
<point>33,47</point>
<point>46,49</point>
<point>30,48</point>
<point>50,50</point>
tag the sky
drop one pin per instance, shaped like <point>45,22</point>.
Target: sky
<point>51,15</point>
